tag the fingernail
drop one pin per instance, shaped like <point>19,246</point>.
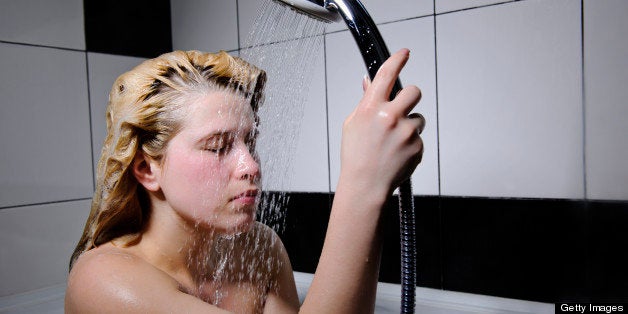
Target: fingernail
<point>366,79</point>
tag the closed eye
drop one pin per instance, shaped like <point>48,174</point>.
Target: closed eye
<point>219,143</point>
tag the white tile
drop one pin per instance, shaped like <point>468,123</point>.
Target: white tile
<point>248,12</point>
<point>509,100</point>
<point>390,11</point>
<point>311,170</point>
<point>204,25</point>
<point>57,23</point>
<point>453,5</point>
<point>104,69</point>
<point>606,74</point>
<point>268,21</point>
<point>345,69</point>
<point>44,125</point>
<point>36,243</point>
<point>293,137</point>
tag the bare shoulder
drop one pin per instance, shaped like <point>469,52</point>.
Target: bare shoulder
<point>261,252</point>
<point>110,279</point>
<point>265,232</point>
<point>108,276</point>
<point>266,238</point>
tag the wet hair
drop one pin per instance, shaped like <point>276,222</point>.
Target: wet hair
<point>143,114</point>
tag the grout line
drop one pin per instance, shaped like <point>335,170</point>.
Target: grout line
<point>431,14</point>
<point>438,166</point>
<point>42,46</point>
<point>91,129</point>
<point>584,108</point>
<point>473,8</point>
<point>327,113</point>
<point>238,24</point>
<point>282,41</point>
<point>45,203</point>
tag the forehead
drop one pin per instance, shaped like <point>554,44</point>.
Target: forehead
<point>218,110</point>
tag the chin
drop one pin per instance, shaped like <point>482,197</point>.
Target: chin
<point>236,225</point>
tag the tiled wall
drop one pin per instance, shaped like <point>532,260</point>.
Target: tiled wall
<point>526,110</point>
<point>53,96</point>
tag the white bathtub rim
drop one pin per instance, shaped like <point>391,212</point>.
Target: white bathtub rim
<point>388,295</point>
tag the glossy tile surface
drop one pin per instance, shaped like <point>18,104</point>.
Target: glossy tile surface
<point>506,247</point>
<point>608,259</point>
<point>390,11</point>
<point>44,126</point>
<point>453,5</point>
<point>140,28</point>
<point>271,21</point>
<point>510,101</point>
<point>57,23</point>
<point>36,243</point>
<point>606,73</point>
<point>204,25</point>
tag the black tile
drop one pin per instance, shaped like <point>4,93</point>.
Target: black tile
<point>138,28</point>
<point>524,249</point>
<point>303,225</point>
<point>306,218</point>
<point>608,248</point>
<point>533,249</point>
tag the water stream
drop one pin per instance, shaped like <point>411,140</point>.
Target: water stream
<point>286,44</point>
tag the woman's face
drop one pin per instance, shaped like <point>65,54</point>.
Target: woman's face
<point>210,175</point>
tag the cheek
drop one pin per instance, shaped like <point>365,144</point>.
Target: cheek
<point>203,169</point>
<point>194,178</point>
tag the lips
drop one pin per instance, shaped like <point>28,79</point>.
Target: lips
<point>247,197</point>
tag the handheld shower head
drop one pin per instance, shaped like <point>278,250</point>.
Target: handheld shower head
<point>314,8</point>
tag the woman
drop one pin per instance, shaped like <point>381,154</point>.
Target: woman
<point>172,227</point>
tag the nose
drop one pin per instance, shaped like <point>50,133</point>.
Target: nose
<point>247,166</point>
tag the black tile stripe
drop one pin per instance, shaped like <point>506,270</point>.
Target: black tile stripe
<point>545,250</point>
<point>608,251</point>
<point>139,28</point>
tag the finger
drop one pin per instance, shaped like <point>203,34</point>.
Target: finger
<point>405,101</point>
<point>419,121</point>
<point>382,84</point>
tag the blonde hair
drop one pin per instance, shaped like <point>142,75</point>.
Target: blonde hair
<point>141,116</point>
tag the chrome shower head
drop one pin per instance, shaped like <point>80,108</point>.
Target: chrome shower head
<point>314,8</point>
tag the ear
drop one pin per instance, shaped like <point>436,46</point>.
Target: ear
<point>145,171</point>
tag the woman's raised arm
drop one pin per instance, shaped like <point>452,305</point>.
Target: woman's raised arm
<point>381,147</point>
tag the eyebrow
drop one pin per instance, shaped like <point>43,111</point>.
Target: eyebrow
<point>228,133</point>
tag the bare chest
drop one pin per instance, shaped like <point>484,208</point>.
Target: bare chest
<point>237,297</point>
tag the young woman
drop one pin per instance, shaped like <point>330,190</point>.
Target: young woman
<point>172,227</point>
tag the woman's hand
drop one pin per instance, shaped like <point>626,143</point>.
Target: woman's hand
<point>381,143</point>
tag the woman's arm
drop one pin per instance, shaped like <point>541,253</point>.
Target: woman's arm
<point>381,147</point>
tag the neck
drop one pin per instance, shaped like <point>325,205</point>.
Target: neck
<point>176,246</point>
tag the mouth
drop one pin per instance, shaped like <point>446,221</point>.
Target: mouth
<point>248,197</point>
